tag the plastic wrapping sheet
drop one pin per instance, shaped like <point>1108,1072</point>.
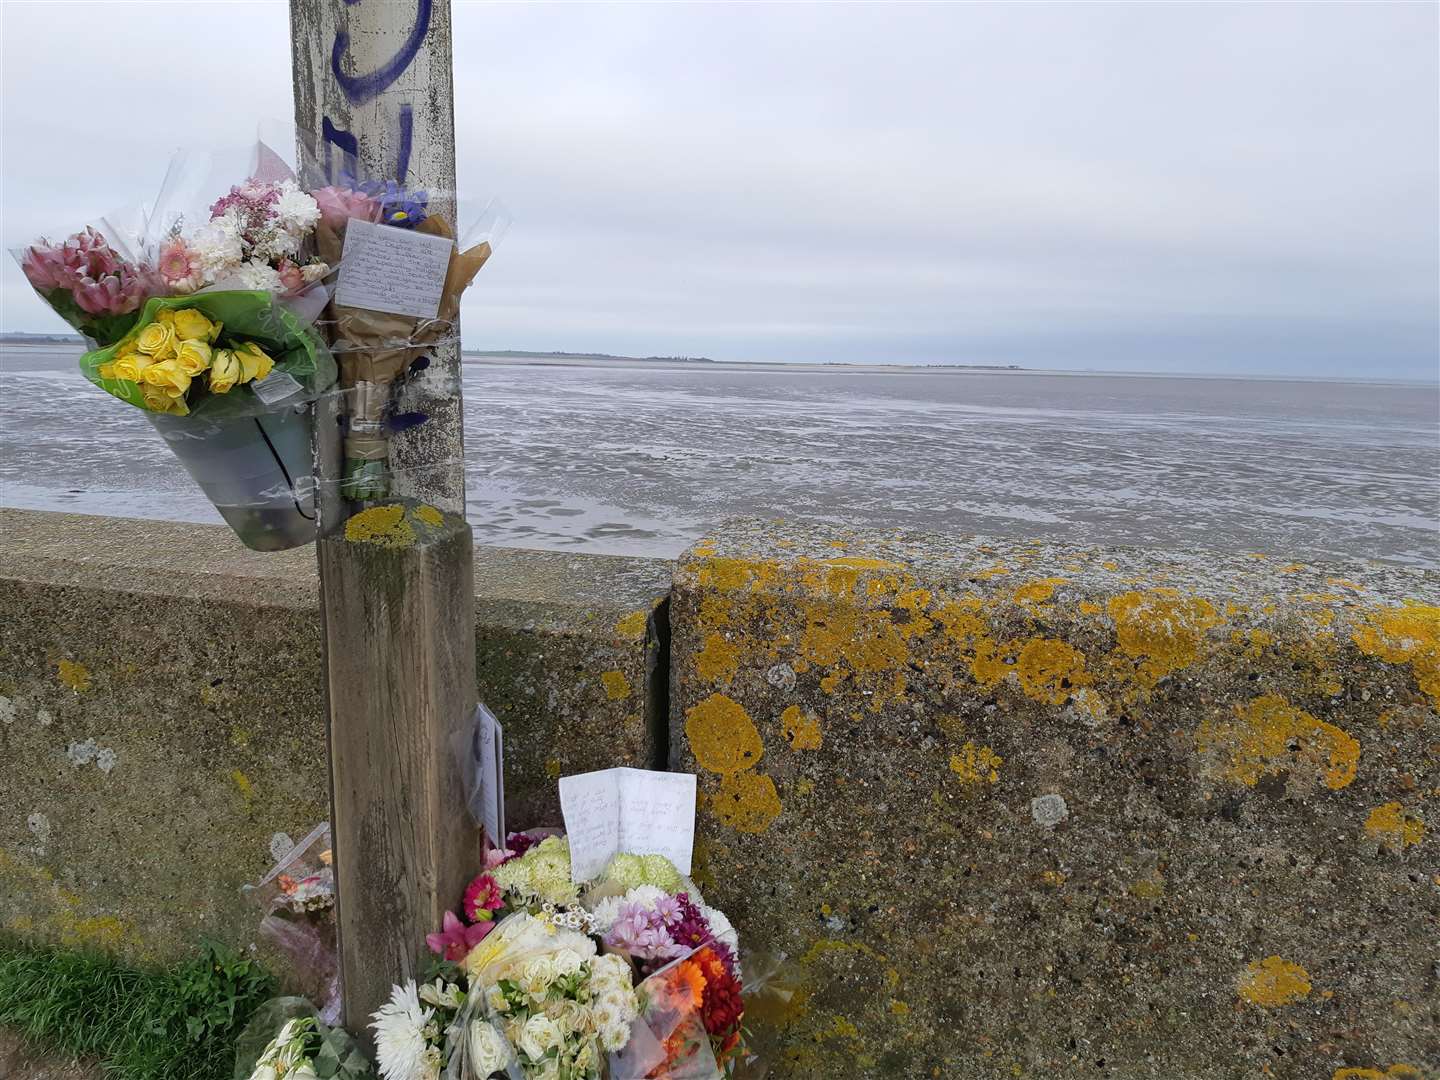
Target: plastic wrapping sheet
<point>297,901</point>
<point>330,1050</point>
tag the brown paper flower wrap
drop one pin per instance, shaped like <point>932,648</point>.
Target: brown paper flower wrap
<point>374,347</point>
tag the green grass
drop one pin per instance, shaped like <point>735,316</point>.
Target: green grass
<point>179,1023</point>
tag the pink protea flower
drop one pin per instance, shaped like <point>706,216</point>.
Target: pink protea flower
<point>482,899</point>
<point>338,204</point>
<point>456,939</point>
<point>45,267</point>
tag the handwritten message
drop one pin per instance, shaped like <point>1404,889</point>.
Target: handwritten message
<point>479,749</point>
<point>627,810</point>
<point>384,268</point>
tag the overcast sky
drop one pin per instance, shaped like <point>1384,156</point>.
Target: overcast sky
<point>1165,187</point>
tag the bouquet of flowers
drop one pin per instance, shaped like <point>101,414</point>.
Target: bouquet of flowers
<point>297,898</point>
<point>375,347</point>
<point>256,239</point>
<point>304,1048</point>
<point>90,284</point>
<point>207,330</point>
<point>189,354</point>
<point>539,977</point>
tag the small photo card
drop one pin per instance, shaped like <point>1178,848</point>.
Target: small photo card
<point>384,268</point>
<point>627,810</point>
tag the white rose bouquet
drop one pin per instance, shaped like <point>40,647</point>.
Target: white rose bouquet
<point>304,1048</point>
<point>563,1012</point>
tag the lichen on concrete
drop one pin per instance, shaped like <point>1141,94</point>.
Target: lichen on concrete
<point>1075,811</point>
<point>166,727</point>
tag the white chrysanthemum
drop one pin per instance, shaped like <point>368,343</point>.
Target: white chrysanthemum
<point>610,971</point>
<point>257,275</point>
<point>614,1036</point>
<point>400,1047</point>
<point>606,912</point>
<point>720,926</point>
<point>305,1071</point>
<point>297,211</point>
<point>264,1072</point>
<point>489,1051</point>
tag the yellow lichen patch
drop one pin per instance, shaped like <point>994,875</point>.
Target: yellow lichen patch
<point>734,575</point>
<point>617,686</point>
<point>717,659</point>
<point>994,571</point>
<point>909,615</point>
<point>1394,1072</point>
<point>74,675</point>
<point>747,802</point>
<point>722,736</point>
<point>1052,878</point>
<point>974,765</point>
<point>1148,888</point>
<point>801,729</point>
<point>1161,629</point>
<point>1407,634</point>
<point>899,1008</point>
<point>1268,736</point>
<point>1254,642</point>
<point>632,626</point>
<point>384,526</point>
<point>430,515</point>
<point>1273,981</point>
<point>553,768</point>
<point>1089,607</point>
<point>1050,670</point>
<point>1037,591</point>
<point>244,786</point>
<point>1392,826</point>
<point>988,666</point>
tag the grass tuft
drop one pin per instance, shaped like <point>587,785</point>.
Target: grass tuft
<point>179,1023</point>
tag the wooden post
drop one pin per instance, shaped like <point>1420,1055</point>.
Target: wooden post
<point>373,91</point>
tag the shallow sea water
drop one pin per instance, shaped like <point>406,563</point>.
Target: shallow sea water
<point>642,458</point>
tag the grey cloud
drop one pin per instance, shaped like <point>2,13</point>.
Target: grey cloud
<point>1239,187</point>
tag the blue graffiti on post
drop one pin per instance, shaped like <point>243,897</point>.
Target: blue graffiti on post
<point>362,88</point>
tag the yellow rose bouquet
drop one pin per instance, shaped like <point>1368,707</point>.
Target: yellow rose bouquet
<point>227,378</point>
<point>207,354</point>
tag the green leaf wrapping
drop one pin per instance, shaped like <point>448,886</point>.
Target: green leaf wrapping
<point>256,316</point>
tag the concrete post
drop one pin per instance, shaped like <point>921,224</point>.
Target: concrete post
<point>373,92</point>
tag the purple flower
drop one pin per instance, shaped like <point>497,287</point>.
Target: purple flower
<point>640,931</point>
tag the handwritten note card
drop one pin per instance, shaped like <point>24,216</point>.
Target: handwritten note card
<point>480,752</point>
<point>627,810</point>
<point>384,268</point>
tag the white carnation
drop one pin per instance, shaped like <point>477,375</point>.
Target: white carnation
<point>297,211</point>
<point>258,275</point>
<point>217,244</point>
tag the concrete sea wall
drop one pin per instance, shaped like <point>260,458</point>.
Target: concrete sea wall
<point>162,717</point>
<point>1007,809</point>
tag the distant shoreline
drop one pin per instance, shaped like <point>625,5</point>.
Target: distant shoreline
<point>520,358</point>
